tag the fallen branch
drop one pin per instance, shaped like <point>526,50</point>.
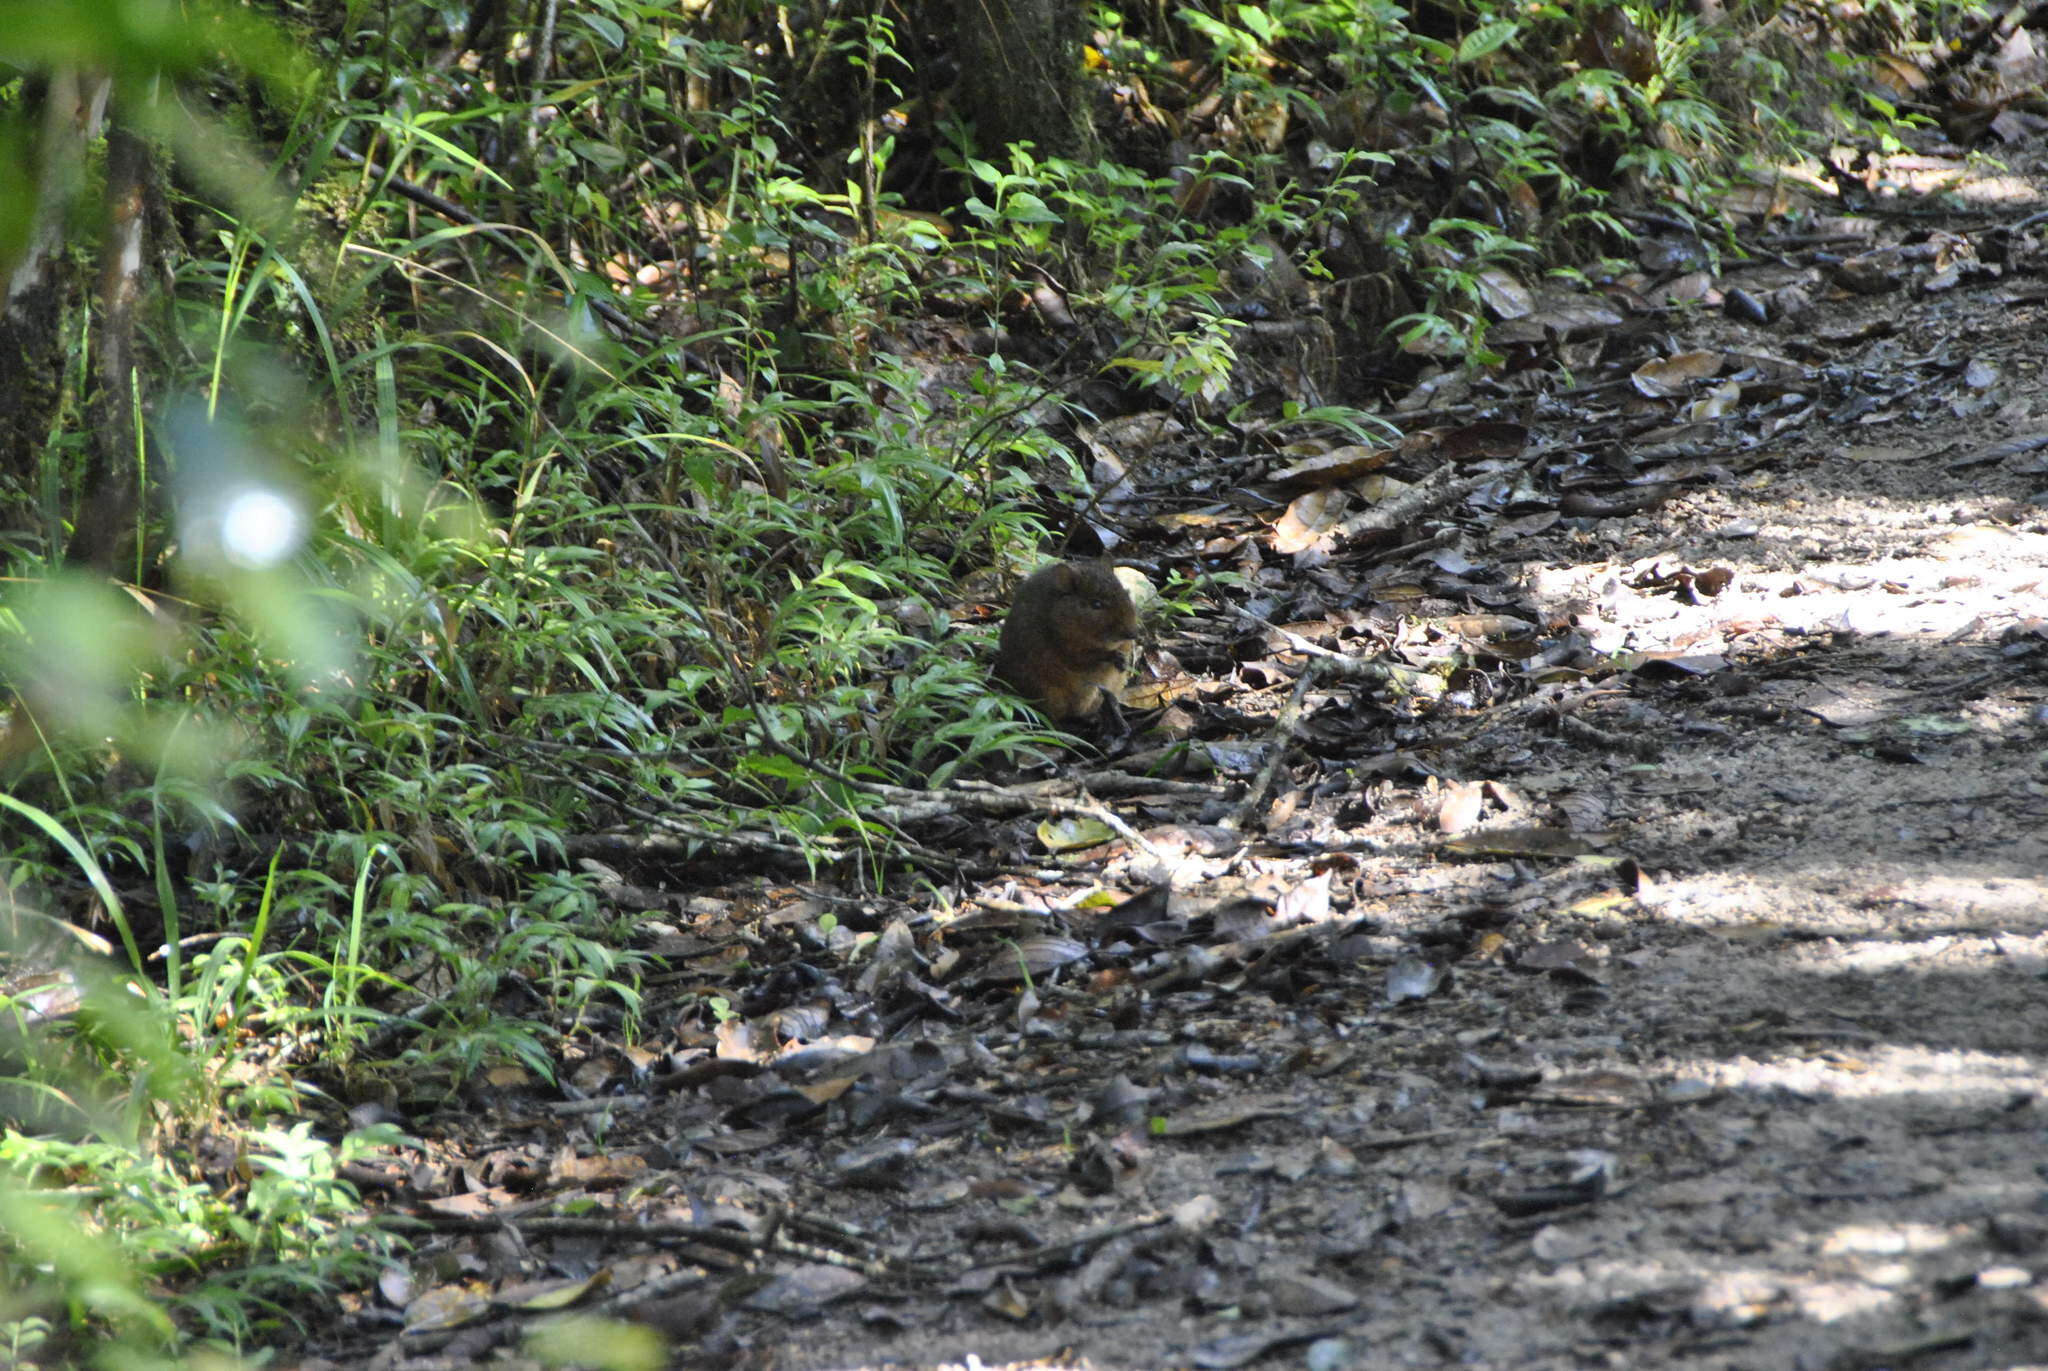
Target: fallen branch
<point>1441,487</point>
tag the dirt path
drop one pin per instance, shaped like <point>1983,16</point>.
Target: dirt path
<point>1669,992</point>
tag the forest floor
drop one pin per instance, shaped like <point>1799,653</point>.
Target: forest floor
<point>1671,989</point>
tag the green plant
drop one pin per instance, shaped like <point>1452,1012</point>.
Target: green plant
<point>97,1211</point>
<point>225,1257</point>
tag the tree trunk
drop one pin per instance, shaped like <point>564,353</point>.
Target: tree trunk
<point>107,513</point>
<point>41,286</point>
<point>1021,76</point>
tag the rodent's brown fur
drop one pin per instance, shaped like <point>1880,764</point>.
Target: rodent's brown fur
<point>1068,640</point>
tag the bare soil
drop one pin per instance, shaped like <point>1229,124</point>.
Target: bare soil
<point>1663,986</point>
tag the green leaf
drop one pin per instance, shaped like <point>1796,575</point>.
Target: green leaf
<point>1259,22</point>
<point>1022,207</point>
<point>1487,38</point>
<point>1071,832</point>
<point>603,156</point>
<point>606,29</point>
<point>770,764</point>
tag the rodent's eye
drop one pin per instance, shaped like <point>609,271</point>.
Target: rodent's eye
<point>1099,603</point>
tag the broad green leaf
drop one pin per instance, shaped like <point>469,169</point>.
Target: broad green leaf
<point>1487,38</point>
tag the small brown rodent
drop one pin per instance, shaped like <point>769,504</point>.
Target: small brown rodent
<point>1068,640</point>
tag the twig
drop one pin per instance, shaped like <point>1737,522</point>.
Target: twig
<point>1633,744</point>
<point>543,59</point>
<point>1339,664</point>
<point>1089,809</point>
<point>1070,1249</point>
<point>544,1225</point>
<point>771,1238</point>
<point>1441,487</point>
<point>1093,783</point>
<point>659,1287</point>
<point>1281,740</point>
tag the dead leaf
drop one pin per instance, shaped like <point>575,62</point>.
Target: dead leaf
<point>1562,954</point>
<point>1585,316</point>
<point>447,1306</point>
<point>614,1168</point>
<point>475,1205</point>
<point>1460,806</point>
<point>1028,957</point>
<point>1411,978</point>
<point>1196,1215</point>
<point>1666,378</point>
<point>542,1297</point>
<point>1006,1301</point>
<point>1332,468</point>
<point>1298,1293</point>
<point>1683,663</point>
<point>1231,1114</point>
<point>1504,293</point>
<point>1520,842</point>
<point>824,1092</point>
<point>1309,520</point>
<point>1595,1089</point>
<point>805,1288</point>
<point>1242,1349</point>
<point>395,1285</point>
<point>1717,403</point>
<point>1481,626</point>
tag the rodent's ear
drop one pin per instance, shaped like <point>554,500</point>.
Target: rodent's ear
<point>1067,578</point>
